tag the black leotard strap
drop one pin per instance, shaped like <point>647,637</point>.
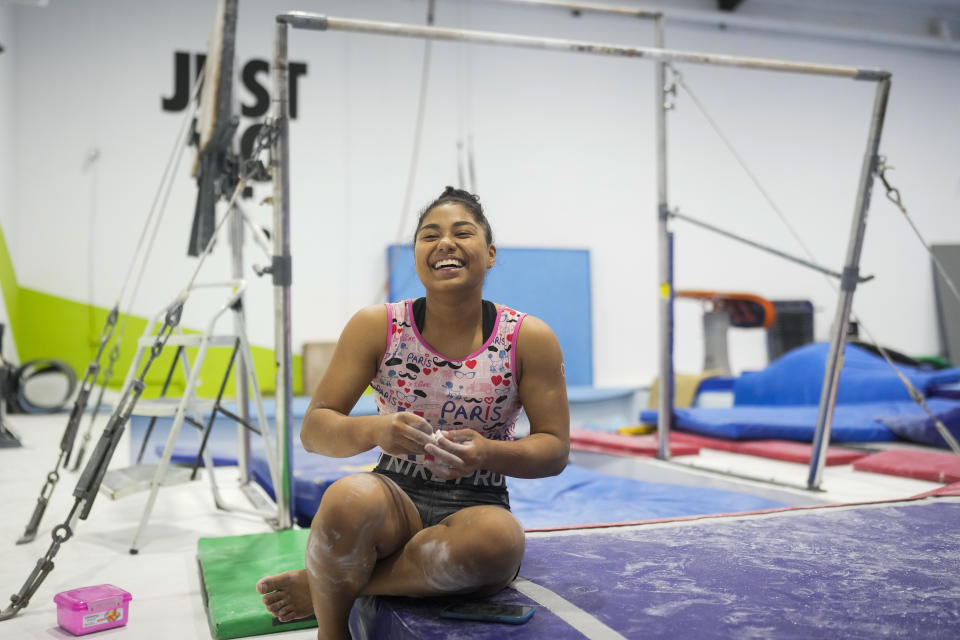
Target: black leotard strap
<point>489,316</point>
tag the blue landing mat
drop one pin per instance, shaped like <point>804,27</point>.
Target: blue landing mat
<point>796,378</point>
<point>851,423</point>
<point>879,571</point>
<point>859,422</point>
<point>872,402</point>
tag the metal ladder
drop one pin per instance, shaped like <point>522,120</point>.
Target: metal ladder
<point>188,408</point>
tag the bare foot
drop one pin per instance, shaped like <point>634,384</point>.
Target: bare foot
<point>287,595</point>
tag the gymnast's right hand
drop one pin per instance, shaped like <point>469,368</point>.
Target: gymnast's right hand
<point>403,433</point>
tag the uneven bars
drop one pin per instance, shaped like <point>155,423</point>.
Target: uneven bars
<point>319,22</point>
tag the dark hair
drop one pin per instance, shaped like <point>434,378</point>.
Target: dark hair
<point>468,200</point>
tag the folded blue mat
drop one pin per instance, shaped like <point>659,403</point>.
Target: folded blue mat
<point>851,423</point>
<point>796,378</point>
<point>918,427</point>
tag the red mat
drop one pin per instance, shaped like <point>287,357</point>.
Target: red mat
<point>775,449</point>
<point>907,463</point>
<point>685,444</point>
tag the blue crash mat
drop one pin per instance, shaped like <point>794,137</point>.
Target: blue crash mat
<point>851,422</point>
<point>577,496</point>
<point>580,496</point>
<point>796,378</point>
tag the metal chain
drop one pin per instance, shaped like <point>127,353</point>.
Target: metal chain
<point>92,475</point>
<point>104,381</point>
<point>69,432</point>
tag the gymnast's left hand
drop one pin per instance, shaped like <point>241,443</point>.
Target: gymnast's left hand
<point>455,455</point>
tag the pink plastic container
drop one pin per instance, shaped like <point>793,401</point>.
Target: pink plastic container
<point>88,609</point>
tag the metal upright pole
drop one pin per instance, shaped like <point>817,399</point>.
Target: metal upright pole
<point>664,253</point>
<point>243,400</point>
<point>848,284</point>
<point>281,267</point>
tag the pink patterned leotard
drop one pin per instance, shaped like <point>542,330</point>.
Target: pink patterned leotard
<point>477,392</point>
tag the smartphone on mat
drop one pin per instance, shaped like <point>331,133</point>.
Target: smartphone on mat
<point>488,612</point>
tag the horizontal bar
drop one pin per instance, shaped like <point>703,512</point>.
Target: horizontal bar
<point>318,22</point>
<point>762,247</point>
<point>587,7</point>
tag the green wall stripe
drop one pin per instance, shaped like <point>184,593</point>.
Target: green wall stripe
<point>54,327</point>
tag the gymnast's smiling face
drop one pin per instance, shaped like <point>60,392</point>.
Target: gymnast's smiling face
<point>451,251</point>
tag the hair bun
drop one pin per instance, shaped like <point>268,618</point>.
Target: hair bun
<point>459,194</point>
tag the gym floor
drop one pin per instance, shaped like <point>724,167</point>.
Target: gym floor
<point>164,579</point>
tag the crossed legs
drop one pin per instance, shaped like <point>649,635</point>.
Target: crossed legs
<point>367,539</point>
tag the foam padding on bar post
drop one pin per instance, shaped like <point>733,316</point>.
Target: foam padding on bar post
<point>230,567</point>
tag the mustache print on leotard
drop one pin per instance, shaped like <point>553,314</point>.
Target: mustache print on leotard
<point>440,362</point>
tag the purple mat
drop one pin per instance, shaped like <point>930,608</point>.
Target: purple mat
<point>878,571</point>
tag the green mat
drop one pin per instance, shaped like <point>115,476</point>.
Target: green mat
<point>230,568</point>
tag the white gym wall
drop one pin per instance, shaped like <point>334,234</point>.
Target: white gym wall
<point>564,150</point>
<point>8,217</point>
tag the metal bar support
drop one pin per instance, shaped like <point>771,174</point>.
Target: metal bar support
<point>848,284</point>
<point>280,164</point>
<point>762,247</point>
<point>665,257</point>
